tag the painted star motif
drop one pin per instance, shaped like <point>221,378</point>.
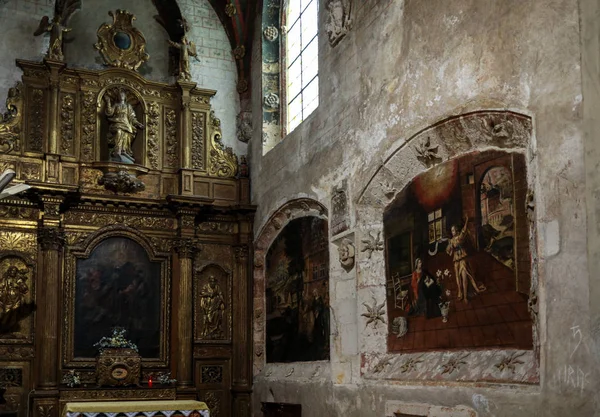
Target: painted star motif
<point>374,313</point>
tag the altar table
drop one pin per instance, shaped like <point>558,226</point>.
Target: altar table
<point>134,408</point>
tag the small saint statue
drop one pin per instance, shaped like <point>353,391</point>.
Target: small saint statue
<point>212,304</point>
<point>186,48</point>
<point>122,127</point>
<point>63,10</point>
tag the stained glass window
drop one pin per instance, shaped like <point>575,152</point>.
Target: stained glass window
<point>302,75</point>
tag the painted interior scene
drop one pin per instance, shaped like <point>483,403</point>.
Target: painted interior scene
<point>458,261</point>
<point>297,294</point>
<point>117,285</point>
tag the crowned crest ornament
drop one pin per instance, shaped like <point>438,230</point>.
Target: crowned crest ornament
<point>120,44</point>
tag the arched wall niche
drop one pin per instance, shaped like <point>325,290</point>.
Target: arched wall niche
<point>114,263</point>
<point>486,139</point>
<point>212,303</point>
<point>282,217</point>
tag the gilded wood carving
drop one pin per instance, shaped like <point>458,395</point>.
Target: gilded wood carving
<point>16,292</point>
<point>212,304</point>
<point>120,44</point>
<point>119,266</point>
<point>10,129</point>
<point>67,127</point>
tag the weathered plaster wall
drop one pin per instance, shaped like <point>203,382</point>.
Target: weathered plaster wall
<point>404,66</point>
<point>214,69</point>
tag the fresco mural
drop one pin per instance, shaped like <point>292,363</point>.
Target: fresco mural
<point>297,293</point>
<point>117,285</point>
<point>457,256</point>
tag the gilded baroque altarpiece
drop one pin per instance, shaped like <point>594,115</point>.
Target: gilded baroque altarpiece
<point>165,232</point>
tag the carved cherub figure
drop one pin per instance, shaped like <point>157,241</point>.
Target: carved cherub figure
<point>63,10</point>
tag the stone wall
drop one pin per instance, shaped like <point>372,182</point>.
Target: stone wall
<point>214,69</point>
<point>405,67</point>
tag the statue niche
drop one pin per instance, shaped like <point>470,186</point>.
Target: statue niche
<point>121,140</point>
<point>122,112</point>
<point>212,304</point>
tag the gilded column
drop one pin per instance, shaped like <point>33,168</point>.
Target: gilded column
<point>53,114</point>
<point>186,247</point>
<point>51,241</point>
<point>242,344</point>
<point>186,124</point>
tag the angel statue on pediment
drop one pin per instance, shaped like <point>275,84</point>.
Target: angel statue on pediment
<point>186,48</point>
<point>63,10</point>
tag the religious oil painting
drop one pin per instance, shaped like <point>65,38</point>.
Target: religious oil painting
<point>297,294</point>
<point>457,257</point>
<point>117,285</point>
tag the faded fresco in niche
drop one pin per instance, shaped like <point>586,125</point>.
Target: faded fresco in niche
<point>297,293</point>
<point>458,261</point>
<point>118,285</point>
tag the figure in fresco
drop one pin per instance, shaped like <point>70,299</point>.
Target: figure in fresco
<point>186,48</point>
<point>13,288</point>
<point>122,127</point>
<point>425,291</point>
<point>212,304</point>
<point>456,248</point>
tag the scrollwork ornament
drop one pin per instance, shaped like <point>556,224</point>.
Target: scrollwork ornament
<point>198,140</point>
<point>67,126</point>
<point>16,352</point>
<point>223,162</point>
<point>271,33</point>
<point>88,125</point>
<point>19,242</point>
<point>51,238</point>
<point>112,54</point>
<point>186,247</point>
<point>153,134</point>
<point>36,129</point>
<point>172,158</point>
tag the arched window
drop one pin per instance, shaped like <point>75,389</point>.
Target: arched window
<point>301,61</point>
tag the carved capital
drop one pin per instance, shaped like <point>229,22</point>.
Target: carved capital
<point>51,238</point>
<point>186,247</point>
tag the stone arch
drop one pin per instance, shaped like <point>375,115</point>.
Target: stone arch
<point>502,131</point>
<point>292,210</point>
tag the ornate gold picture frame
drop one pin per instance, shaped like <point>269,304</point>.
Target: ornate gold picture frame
<point>121,279</point>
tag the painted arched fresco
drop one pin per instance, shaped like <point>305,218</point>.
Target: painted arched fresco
<point>458,261</point>
<point>297,293</point>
